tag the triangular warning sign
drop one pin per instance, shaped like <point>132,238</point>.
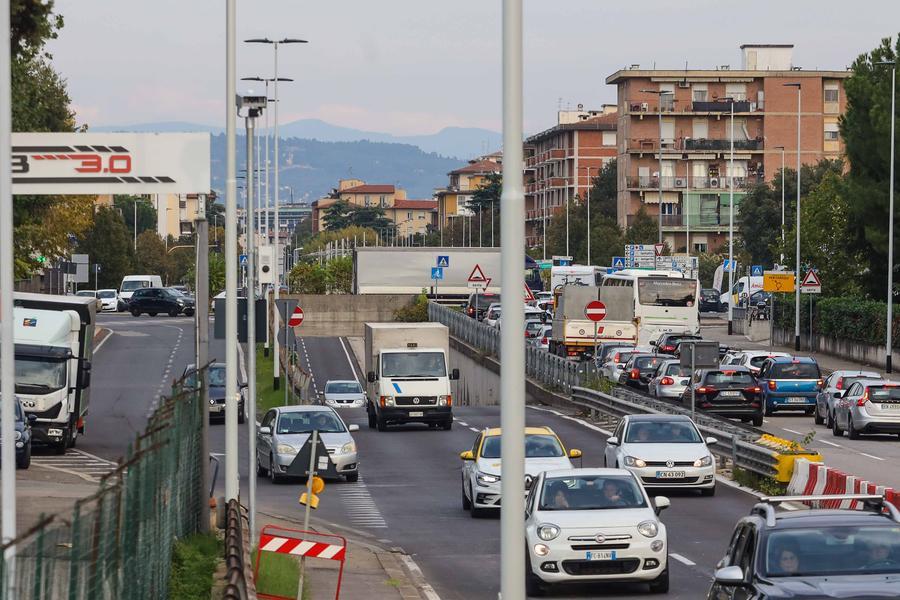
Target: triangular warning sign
<point>529,295</point>
<point>811,279</point>
<point>477,276</point>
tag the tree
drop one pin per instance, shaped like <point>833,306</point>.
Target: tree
<point>756,215</point>
<point>337,216</point>
<point>643,230</point>
<point>146,213</point>
<point>107,244</point>
<point>371,217</point>
<point>487,195</point>
<point>604,192</point>
<point>339,275</point>
<point>47,226</point>
<point>307,278</point>
<point>151,257</point>
<point>606,236</point>
<point>32,23</point>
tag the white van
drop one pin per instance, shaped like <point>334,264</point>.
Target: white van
<point>130,283</point>
<point>742,289</point>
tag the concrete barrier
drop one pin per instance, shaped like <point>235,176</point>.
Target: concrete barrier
<point>332,315</point>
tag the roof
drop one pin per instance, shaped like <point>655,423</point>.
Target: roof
<point>369,189</point>
<point>655,417</point>
<point>814,516</point>
<point>303,408</point>
<point>766,46</point>
<point>415,204</point>
<point>792,359</point>
<point>599,123</point>
<point>718,75</point>
<point>480,166</point>
<point>528,431</point>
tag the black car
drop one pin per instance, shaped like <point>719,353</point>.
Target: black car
<point>709,300</point>
<point>730,392</point>
<point>23,436</point>
<point>667,341</point>
<point>477,308</point>
<point>160,300</point>
<point>216,383</point>
<point>813,554</point>
<point>639,370</point>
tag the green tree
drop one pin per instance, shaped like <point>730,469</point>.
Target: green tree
<point>339,275</point>
<point>308,278</point>
<point>643,230</point>
<point>604,192</point>
<point>371,217</point>
<point>108,244</point>
<point>606,236</point>
<point>32,23</point>
<point>151,257</point>
<point>757,213</point>
<point>337,216</point>
<point>146,213</point>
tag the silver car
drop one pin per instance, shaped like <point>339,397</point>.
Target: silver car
<point>612,368</point>
<point>869,406</point>
<point>284,430</point>
<point>344,393</point>
<point>836,384</point>
<point>670,380</point>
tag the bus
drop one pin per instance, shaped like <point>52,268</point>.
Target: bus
<point>662,301</point>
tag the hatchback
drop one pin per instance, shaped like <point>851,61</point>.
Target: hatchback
<point>869,406</point>
<point>668,341</point>
<point>726,391</point>
<point>478,304</point>
<point>835,385</point>
<point>639,370</point>
<point>790,383</point>
<point>669,380</point>
<point>344,393</point>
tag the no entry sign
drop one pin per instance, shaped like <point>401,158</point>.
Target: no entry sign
<point>296,317</point>
<point>595,311</point>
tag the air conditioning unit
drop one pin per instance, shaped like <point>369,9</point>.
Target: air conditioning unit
<point>645,106</point>
<point>684,85</point>
<point>680,182</point>
<point>713,182</point>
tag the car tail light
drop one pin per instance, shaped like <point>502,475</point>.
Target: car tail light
<point>705,389</point>
<point>820,384</point>
<point>616,358</point>
<point>863,399</point>
<point>840,384</point>
<point>545,340</point>
<point>667,348</point>
<point>635,374</point>
<point>773,385</point>
<point>666,381</point>
<point>471,310</point>
<point>754,389</point>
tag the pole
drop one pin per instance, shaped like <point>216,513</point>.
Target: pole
<point>797,262</point>
<point>277,226</point>
<point>266,220</point>
<point>771,320</point>
<point>287,376</point>
<point>693,390</point>
<point>810,341</point>
<point>512,370</point>
<point>659,218</point>
<point>135,224</point>
<point>493,210</point>
<point>250,123</point>
<point>890,289</point>
<point>544,220</point>
<point>232,477</point>
<point>595,343</point>
<point>781,260</point>
<point>201,328</point>
<point>309,482</point>
<point>731,227</point>
<point>7,347</point>
<point>545,227</point>
<point>589,226</point>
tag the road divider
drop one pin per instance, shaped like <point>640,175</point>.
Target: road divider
<point>815,478</point>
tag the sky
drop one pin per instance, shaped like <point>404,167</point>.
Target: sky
<point>416,66</point>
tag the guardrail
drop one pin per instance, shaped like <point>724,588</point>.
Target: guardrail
<point>239,584</point>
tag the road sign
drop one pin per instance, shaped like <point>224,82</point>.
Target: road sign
<point>756,271</point>
<point>658,249</point>
<point>562,261</point>
<point>811,283</point>
<point>778,281</point>
<point>243,260</point>
<point>477,279</point>
<point>529,295</point>
<point>437,273</point>
<point>595,310</point>
<point>729,265</point>
<point>443,261</point>
<point>296,318</point>
<point>618,262</point>
<point>640,256</point>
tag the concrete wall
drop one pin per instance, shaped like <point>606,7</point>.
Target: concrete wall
<point>866,354</point>
<point>333,315</point>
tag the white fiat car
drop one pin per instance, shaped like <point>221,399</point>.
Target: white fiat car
<point>665,451</point>
<point>594,526</point>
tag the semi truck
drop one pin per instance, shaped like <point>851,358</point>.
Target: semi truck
<point>54,346</point>
<point>407,374</point>
<point>388,270</point>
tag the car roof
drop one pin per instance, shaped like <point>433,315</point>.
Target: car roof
<point>856,373</point>
<point>752,353</point>
<point>735,368</point>
<point>815,516</point>
<point>588,471</point>
<point>658,418</point>
<point>792,359</point>
<point>299,408</point>
<point>492,431</point>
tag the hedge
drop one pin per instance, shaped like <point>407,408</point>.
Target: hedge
<point>846,318</point>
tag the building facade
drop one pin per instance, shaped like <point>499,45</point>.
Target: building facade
<point>454,200</point>
<point>411,217</point>
<point>683,118</point>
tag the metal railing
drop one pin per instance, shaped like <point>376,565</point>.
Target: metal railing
<point>239,583</point>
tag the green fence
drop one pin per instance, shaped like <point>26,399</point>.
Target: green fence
<point>118,542</point>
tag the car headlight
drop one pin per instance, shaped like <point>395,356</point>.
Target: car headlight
<point>180,301</point>
<point>388,400</point>
<point>541,550</point>
<point>443,400</point>
<point>486,478</point>
<point>703,462</point>
<point>348,448</point>
<point>548,532</point>
<point>285,449</point>
<point>648,529</point>
<point>631,461</point>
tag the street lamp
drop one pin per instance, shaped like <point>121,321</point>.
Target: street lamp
<point>890,285</point>
<point>781,260</point>
<point>588,206</point>
<point>731,222</point>
<point>797,262</point>
<point>275,44</point>
<point>661,93</point>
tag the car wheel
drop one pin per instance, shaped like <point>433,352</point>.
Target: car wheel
<point>352,477</point>
<point>242,416</point>
<point>465,499</point>
<point>817,418</point>
<point>25,461</point>
<point>152,314</point>
<point>135,312</point>
<point>810,411</point>
<point>380,423</point>
<point>261,471</point>
<point>835,428</point>
<point>758,421</point>
<point>708,492</point>
<point>173,312</point>
<point>189,312</point>
<point>769,412</point>
<point>852,433</point>
<point>474,511</point>
<point>660,585</point>
<point>533,584</point>
<point>447,425</point>
<point>274,477</point>
<point>829,420</point>
<point>372,421</point>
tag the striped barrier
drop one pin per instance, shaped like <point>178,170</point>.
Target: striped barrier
<point>814,479</point>
<point>294,542</point>
<point>283,545</point>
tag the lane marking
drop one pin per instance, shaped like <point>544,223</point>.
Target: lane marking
<point>683,560</point>
<point>870,456</point>
<point>349,360</point>
<point>416,572</point>
<point>792,431</point>
<point>475,429</point>
<point>831,443</point>
<point>103,341</point>
<point>359,505</point>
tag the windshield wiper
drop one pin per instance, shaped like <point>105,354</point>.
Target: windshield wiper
<point>39,386</point>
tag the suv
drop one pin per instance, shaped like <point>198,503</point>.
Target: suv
<point>668,341</point>
<point>867,407</point>
<point>726,391</point>
<point>160,300</point>
<point>639,370</point>
<point>817,553</point>
<point>790,383</point>
<point>484,300</point>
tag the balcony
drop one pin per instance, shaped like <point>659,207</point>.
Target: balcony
<point>651,182</point>
<point>721,145</point>
<point>713,221</point>
<point>681,145</point>
<point>740,106</point>
<point>679,106</point>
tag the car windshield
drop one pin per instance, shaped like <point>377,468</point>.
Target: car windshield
<point>130,286</point>
<point>413,364</point>
<point>677,370</point>
<point>87,293</point>
<point>647,363</point>
<point>533,325</point>
<point>709,294</point>
<point>40,375</point>
<point>729,377</point>
<point>662,432</point>
<point>837,550</point>
<point>757,361</point>
<point>215,376</point>
<point>880,394</point>
<point>623,357</point>
<point>485,300</point>
<point>536,446</point>
<point>658,291</point>
<point>306,422</point>
<point>591,492</point>
<point>107,293</point>
<point>342,387</point>
<point>795,370</point>
<point>175,292</point>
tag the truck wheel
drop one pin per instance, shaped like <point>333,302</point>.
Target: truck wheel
<point>60,447</point>
<point>73,437</point>
<point>380,424</point>
<point>371,416</point>
<point>448,425</point>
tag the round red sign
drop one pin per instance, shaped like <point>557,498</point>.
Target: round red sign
<point>296,317</point>
<point>595,310</point>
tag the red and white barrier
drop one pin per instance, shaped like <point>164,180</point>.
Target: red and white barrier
<point>815,479</point>
<point>282,545</point>
<point>309,544</point>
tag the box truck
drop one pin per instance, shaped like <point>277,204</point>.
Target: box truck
<point>407,374</point>
<point>54,345</point>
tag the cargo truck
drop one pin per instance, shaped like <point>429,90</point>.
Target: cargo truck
<point>407,377</point>
<point>573,333</point>
<point>54,345</point>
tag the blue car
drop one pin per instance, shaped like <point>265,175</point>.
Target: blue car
<point>790,383</point>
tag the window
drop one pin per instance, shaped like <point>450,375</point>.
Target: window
<point>832,92</point>
<point>699,92</point>
<point>367,200</point>
<point>701,128</point>
<point>409,215</point>
<point>667,98</point>
<point>736,91</point>
<point>831,132</point>
<point>609,138</point>
<point>182,204</point>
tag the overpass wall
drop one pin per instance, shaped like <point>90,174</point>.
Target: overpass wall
<point>333,315</point>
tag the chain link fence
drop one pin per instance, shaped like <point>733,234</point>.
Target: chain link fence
<point>117,543</point>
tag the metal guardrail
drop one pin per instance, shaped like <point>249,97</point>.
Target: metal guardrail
<point>239,583</point>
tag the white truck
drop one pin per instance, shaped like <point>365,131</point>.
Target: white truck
<point>54,346</point>
<point>573,332</point>
<point>407,377</point>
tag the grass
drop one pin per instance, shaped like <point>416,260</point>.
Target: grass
<point>279,574</point>
<point>266,396</point>
<point>766,485</point>
<point>194,561</point>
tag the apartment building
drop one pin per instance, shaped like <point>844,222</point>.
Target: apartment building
<point>683,118</point>
<point>175,213</point>
<point>561,162</point>
<point>454,200</point>
<point>411,216</point>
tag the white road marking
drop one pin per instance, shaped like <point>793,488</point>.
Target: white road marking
<point>682,559</point>
<point>792,431</point>
<point>870,456</point>
<point>423,586</point>
<point>360,506</point>
<point>103,341</point>
<point>475,429</point>
<point>349,360</point>
<point>831,443</point>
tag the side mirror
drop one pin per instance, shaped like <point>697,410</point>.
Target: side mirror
<point>370,376</point>
<point>467,455</point>
<point>86,365</point>
<point>454,374</point>
<point>244,386</point>
<point>839,394</point>
<point>613,441</point>
<point>32,418</point>
<point>730,576</point>
<point>353,427</point>
<point>265,430</point>
<point>661,503</point>
<point>652,342</point>
<point>711,440</point>
<point>574,453</point>
<point>86,377</point>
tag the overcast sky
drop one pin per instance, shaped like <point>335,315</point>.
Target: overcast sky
<point>416,66</point>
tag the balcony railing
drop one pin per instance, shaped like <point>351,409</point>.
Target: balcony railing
<point>692,144</point>
<point>715,220</point>
<point>721,145</point>
<point>741,106</point>
<point>651,182</point>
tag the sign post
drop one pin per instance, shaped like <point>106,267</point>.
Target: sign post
<point>478,281</point>
<point>437,273</point>
<point>596,312</point>
<point>811,284</point>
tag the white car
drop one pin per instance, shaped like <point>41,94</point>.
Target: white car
<point>663,451</point>
<point>670,380</point>
<point>753,359</point>
<point>594,526</point>
<point>542,339</point>
<point>341,393</point>
<point>612,368</point>
<point>109,300</point>
<point>481,465</point>
<point>492,314</point>
<point>732,357</point>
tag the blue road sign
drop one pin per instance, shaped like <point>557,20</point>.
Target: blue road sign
<point>756,271</point>
<point>443,261</point>
<point>437,272</point>
<point>243,259</point>
<point>618,262</point>
<point>610,270</point>
<point>728,265</point>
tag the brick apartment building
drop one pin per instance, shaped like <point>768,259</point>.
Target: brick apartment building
<point>561,162</point>
<point>693,137</point>
<point>411,217</point>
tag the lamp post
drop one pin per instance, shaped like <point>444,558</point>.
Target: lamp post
<point>797,262</point>
<point>277,224</point>
<point>781,260</point>
<point>661,93</point>
<point>890,282</point>
<point>731,224</point>
<point>588,206</point>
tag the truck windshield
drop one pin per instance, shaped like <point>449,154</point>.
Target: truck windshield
<point>413,364</point>
<point>658,291</point>
<point>130,286</point>
<point>35,374</point>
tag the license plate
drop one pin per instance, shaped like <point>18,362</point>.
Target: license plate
<point>797,400</point>
<point>670,474</point>
<point>890,406</point>
<point>216,408</point>
<point>601,555</point>
<point>54,432</point>
<point>730,393</point>
<point>416,413</point>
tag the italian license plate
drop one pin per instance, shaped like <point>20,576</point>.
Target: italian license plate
<point>730,393</point>
<point>894,406</point>
<point>601,555</point>
<point>54,432</point>
<point>416,413</point>
<point>796,400</point>
<point>670,474</point>
<point>216,408</point>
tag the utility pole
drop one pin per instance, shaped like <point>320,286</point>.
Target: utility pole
<point>201,329</point>
<point>252,239</point>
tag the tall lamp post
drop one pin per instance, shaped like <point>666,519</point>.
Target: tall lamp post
<point>797,261</point>
<point>661,93</point>
<point>731,222</point>
<point>781,260</point>
<point>277,224</point>
<point>890,282</point>
<point>588,206</point>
